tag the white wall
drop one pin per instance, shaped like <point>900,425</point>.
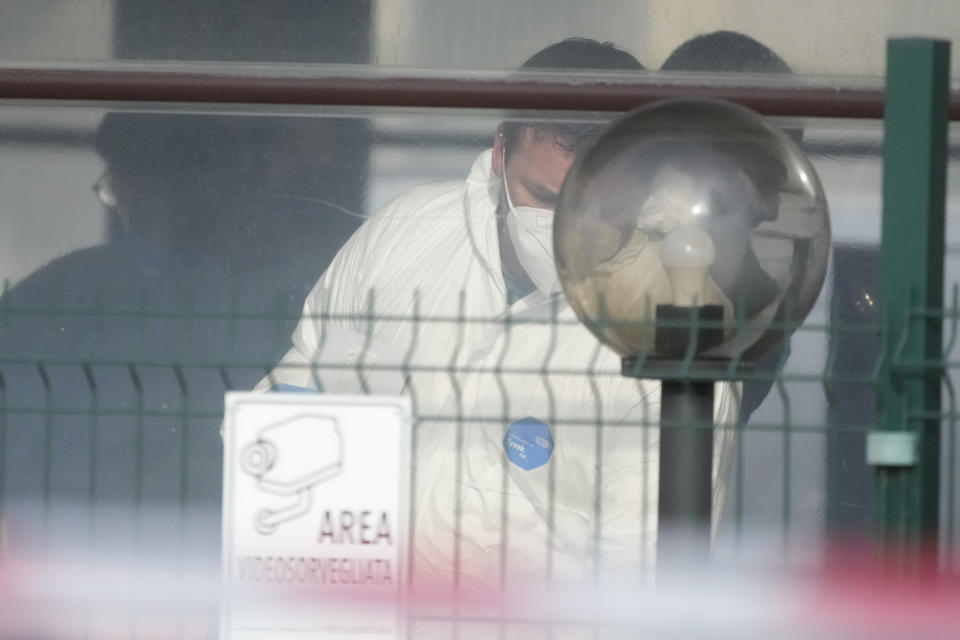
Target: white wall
<point>56,29</point>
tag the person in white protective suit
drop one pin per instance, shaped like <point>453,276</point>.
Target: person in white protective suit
<point>535,459</point>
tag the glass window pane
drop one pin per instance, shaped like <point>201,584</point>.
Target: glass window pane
<point>817,38</point>
<point>159,257</point>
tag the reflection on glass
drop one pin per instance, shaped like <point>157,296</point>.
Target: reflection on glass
<point>692,203</point>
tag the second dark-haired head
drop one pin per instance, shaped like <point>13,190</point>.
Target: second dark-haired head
<point>231,189</point>
<point>729,52</point>
<point>725,51</point>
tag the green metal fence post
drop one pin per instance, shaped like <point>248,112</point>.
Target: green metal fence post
<point>905,450</point>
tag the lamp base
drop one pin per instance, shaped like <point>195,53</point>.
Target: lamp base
<point>712,369</point>
<point>680,328</point>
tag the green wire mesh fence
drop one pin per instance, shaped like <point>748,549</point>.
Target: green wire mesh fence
<point>108,408</point>
<point>110,419</point>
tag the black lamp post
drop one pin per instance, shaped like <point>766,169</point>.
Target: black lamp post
<point>681,235</point>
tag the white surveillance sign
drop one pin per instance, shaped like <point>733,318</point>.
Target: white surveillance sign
<point>315,508</point>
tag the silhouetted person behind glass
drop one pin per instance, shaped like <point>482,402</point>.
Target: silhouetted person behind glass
<point>222,193</point>
<point>731,52</point>
<point>217,228</point>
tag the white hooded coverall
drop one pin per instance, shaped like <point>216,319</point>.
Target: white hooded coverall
<point>420,284</point>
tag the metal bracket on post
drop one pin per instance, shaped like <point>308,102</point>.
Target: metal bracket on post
<point>892,448</point>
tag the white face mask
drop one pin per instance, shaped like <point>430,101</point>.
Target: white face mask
<point>531,232</point>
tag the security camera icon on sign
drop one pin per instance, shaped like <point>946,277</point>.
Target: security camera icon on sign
<point>289,458</point>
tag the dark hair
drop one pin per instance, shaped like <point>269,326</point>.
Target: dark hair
<point>729,52</point>
<point>722,51</point>
<point>582,53</point>
<point>572,53</point>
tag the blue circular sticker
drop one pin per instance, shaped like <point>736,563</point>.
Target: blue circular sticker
<point>528,443</point>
